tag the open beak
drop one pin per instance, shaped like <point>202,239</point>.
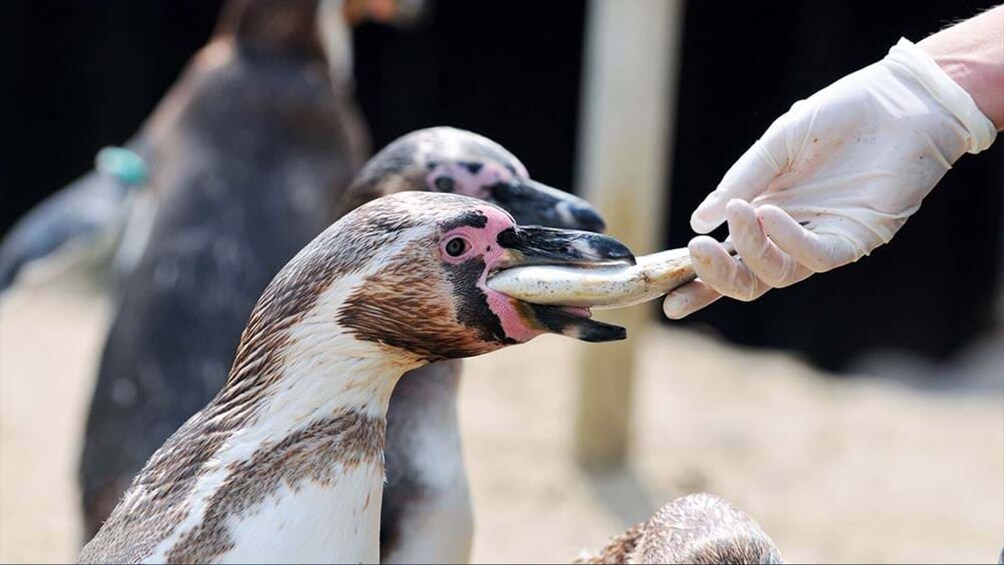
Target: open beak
<point>534,203</point>
<point>535,245</point>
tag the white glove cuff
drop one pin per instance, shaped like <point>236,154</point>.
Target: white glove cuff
<point>946,91</point>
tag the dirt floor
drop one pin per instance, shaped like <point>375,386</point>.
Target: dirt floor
<point>851,470</point>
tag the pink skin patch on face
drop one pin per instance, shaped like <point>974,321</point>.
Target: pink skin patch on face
<point>484,242</point>
<point>469,184</point>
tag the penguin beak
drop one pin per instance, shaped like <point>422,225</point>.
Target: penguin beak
<point>535,245</point>
<point>534,203</point>
<point>538,245</point>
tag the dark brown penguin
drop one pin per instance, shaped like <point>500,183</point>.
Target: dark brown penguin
<point>248,154</point>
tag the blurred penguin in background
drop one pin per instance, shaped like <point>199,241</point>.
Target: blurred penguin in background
<point>79,228</point>
<point>246,158</point>
<point>97,225</point>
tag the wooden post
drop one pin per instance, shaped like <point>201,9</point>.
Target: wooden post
<point>627,103</point>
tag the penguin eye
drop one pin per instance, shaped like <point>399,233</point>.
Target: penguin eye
<point>457,247</point>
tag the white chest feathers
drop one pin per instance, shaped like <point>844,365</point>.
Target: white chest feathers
<point>299,502</point>
<point>313,524</point>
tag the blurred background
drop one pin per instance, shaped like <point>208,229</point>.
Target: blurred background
<point>85,75</point>
<point>793,432</point>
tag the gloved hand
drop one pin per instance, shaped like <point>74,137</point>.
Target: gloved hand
<point>833,178</point>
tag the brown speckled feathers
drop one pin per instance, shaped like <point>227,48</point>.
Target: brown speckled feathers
<point>698,528</point>
<point>160,496</point>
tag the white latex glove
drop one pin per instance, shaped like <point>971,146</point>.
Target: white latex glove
<point>833,178</point>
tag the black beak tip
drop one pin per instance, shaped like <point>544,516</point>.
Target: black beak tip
<point>560,321</point>
<point>598,332</point>
<point>613,250</point>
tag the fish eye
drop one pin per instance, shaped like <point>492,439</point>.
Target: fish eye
<point>457,247</point>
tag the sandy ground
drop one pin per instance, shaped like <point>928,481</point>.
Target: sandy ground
<point>835,470</point>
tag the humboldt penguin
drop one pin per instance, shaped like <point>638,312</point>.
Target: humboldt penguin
<point>285,464</point>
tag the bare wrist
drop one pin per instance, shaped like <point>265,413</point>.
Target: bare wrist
<point>972,54</point>
<point>983,80</point>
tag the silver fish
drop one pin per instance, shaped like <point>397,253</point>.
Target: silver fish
<point>599,287</point>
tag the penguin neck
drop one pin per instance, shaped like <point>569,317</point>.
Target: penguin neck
<point>322,373</point>
<point>304,456</point>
